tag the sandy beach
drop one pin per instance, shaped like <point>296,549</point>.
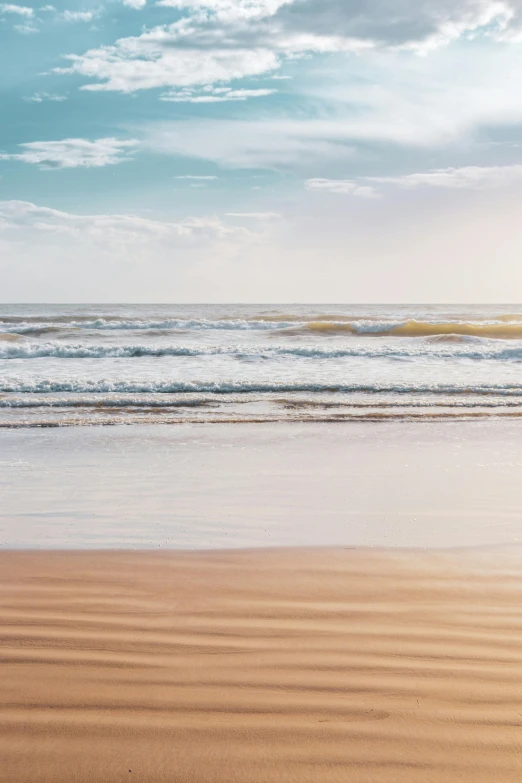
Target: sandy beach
<point>260,666</point>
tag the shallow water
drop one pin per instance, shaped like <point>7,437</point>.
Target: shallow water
<point>206,486</point>
<point>91,364</point>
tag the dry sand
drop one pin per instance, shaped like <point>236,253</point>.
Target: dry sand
<point>258,667</point>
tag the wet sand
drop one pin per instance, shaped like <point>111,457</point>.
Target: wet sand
<point>260,667</point>
<point>247,486</point>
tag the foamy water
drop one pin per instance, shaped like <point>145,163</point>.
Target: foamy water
<point>91,364</point>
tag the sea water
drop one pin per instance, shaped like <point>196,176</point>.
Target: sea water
<point>130,364</point>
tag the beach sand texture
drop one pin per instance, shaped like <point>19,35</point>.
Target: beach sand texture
<point>259,666</point>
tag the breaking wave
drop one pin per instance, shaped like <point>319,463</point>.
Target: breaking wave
<point>490,330</point>
<point>104,386</point>
<point>504,327</point>
<point>110,324</point>
<point>133,363</point>
<point>13,349</point>
<point>412,328</point>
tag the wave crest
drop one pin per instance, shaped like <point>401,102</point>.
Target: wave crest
<point>505,327</point>
<point>458,348</point>
<point>412,328</point>
<point>104,386</point>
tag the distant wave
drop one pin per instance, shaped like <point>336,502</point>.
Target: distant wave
<point>110,324</point>
<point>62,319</point>
<point>104,386</point>
<point>411,328</point>
<point>123,319</point>
<point>503,328</point>
<point>473,329</point>
<point>16,350</point>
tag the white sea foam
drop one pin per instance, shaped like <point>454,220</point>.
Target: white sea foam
<point>29,327</point>
<point>60,350</point>
<point>18,385</point>
<point>215,400</point>
<point>312,325</point>
<point>204,362</point>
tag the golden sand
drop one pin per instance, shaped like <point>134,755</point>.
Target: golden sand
<point>259,667</point>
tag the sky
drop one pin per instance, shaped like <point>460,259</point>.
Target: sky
<point>261,151</point>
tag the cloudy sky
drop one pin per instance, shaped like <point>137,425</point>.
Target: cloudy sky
<point>261,150</point>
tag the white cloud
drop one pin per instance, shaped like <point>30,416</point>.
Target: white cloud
<point>154,59</point>
<point>219,41</point>
<point>421,26</point>
<point>255,215</point>
<point>19,10</point>
<point>196,176</point>
<point>233,42</point>
<point>78,16</point>
<point>55,256</point>
<point>334,25</point>
<point>342,186</point>
<point>464,178</point>
<point>452,98</point>
<point>250,144</point>
<point>26,29</point>
<point>52,255</point>
<point>136,4</point>
<point>72,153</point>
<point>41,97</point>
<point>457,178</point>
<point>230,10</point>
<point>24,215</point>
<point>213,95</point>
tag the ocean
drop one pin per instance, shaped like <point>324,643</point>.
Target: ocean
<point>65,365</point>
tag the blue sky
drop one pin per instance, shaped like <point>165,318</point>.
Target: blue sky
<point>261,150</point>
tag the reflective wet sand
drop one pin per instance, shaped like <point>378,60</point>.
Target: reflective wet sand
<point>219,486</point>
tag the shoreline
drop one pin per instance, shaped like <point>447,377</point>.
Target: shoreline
<point>467,551</point>
<point>260,665</point>
<point>483,413</point>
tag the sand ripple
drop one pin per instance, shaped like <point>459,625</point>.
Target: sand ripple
<point>256,667</point>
